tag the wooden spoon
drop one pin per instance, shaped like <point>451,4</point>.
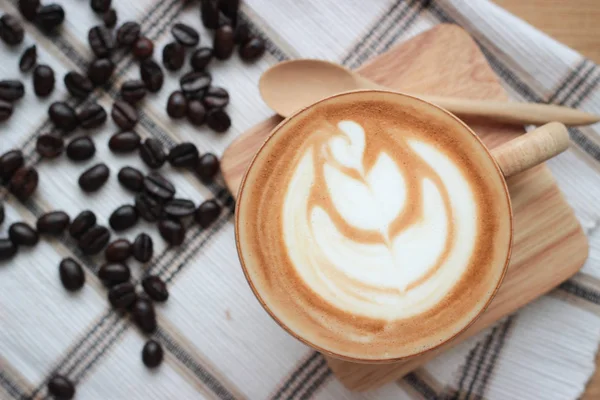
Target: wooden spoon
<point>292,85</point>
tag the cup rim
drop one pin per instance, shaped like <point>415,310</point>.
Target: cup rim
<point>265,306</point>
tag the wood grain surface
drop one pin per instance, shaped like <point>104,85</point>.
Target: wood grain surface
<point>549,245</point>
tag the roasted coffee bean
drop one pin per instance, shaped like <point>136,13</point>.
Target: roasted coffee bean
<point>22,234</point>
<point>50,17</point>
<point>179,208</point>
<point>200,58</point>
<point>100,71</point>
<point>6,110</point>
<point>93,178</point>
<point>143,48</point>
<point>10,162</point>
<point>155,288</point>
<point>123,218</point>
<point>124,115</point>
<point>215,97</point>
<point>78,85</point>
<point>114,273</point>
<point>185,35</point>
<point>252,50</point>
<point>122,295</point>
<point>173,56</point>
<point>230,9</point>
<point>183,155</point>
<point>11,90</point>
<point>49,146</point>
<point>152,75</point>
<point>28,59</point>
<point>149,208</point>
<point>91,115</point>
<point>28,8</point>
<point>128,33</point>
<point>124,142</point>
<point>142,248</point>
<point>210,13</point>
<point>242,34</point>
<point>100,6</point>
<point>207,213</point>
<point>63,116</point>
<point>11,30</point>
<point>43,80</point>
<point>81,149</point>
<point>153,153</point>
<point>194,84</point>
<point>117,251</point>
<point>133,91</point>
<point>152,354</point>
<point>71,274</point>
<point>218,120</point>
<point>172,231</point>
<point>131,179</point>
<point>196,113</point>
<point>101,41</point>
<point>143,314</point>
<point>177,105</point>
<point>82,223</point>
<point>61,387</point>
<point>223,43</point>
<point>7,249</point>
<point>53,223</point>
<point>94,240</point>
<point>1,213</point>
<point>158,186</point>
<point>110,18</point>
<point>207,167</point>
<point>23,182</point>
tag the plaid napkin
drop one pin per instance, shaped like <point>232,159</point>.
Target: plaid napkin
<point>218,341</point>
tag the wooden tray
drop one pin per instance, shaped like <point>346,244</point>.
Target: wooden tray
<point>549,244</point>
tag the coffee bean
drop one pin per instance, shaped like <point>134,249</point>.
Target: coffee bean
<point>223,43</point>
<point>117,251</point>
<point>158,186</point>
<point>110,18</point>
<point>11,30</point>
<point>61,387</point>
<point>207,167</point>
<point>200,58</point>
<point>123,218</point>
<point>131,179</point>
<point>11,90</point>
<point>100,6</point>
<point>101,41</point>
<point>124,142</point>
<point>49,17</point>
<point>152,153</point>
<point>94,240</point>
<point>177,105</point>
<point>6,110</point>
<point>149,208</point>
<point>78,85</point>
<point>215,97</point>
<point>122,296</point>
<point>10,162</point>
<point>194,84</point>
<point>71,274</point>
<point>49,146</point>
<point>218,120</point>
<point>23,182</point>
<point>28,59</point>
<point>207,213</point>
<point>43,80</point>
<point>173,56</point>
<point>230,9</point>
<point>172,231</point>
<point>155,288</point>
<point>242,34</point>
<point>128,33</point>
<point>1,213</point>
<point>143,315</point>
<point>21,234</point>
<point>93,178</point>
<point>185,35</point>
<point>82,223</point>
<point>124,115</point>
<point>142,248</point>
<point>252,50</point>
<point>210,13</point>
<point>196,113</point>
<point>179,208</point>
<point>133,91</point>
<point>114,273</point>
<point>92,115</point>
<point>100,71</point>
<point>7,249</point>
<point>152,75</point>
<point>152,354</point>
<point>28,8</point>
<point>63,116</point>
<point>53,223</point>
<point>183,155</point>
<point>143,48</point>
<point>81,149</point>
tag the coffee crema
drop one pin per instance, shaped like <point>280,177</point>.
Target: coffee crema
<point>373,226</point>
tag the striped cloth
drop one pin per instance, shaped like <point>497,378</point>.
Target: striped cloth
<point>218,341</point>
